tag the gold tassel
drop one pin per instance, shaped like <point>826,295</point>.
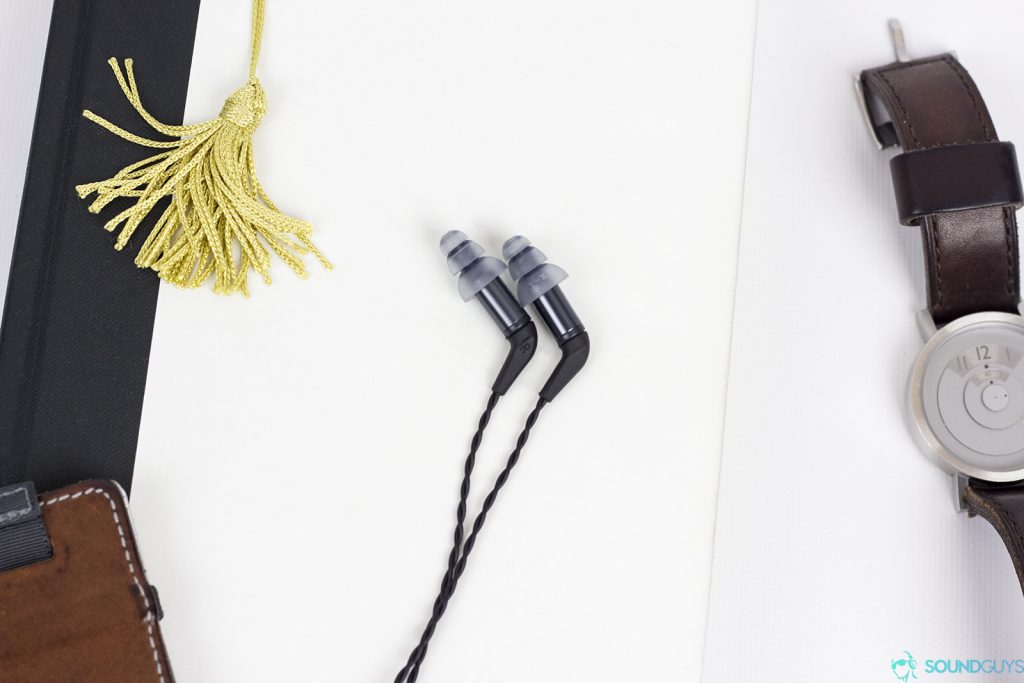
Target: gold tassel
<point>219,221</point>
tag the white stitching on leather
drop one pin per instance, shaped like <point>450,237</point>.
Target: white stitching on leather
<point>150,615</point>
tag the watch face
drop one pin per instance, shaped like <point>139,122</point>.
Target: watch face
<point>967,396</point>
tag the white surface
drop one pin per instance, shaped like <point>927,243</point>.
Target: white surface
<point>837,546</point>
<point>22,46</point>
<point>301,452</point>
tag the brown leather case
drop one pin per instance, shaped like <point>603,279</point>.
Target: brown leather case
<point>88,613</point>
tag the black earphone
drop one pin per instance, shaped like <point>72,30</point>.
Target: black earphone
<point>480,278</point>
<point>537,284</point>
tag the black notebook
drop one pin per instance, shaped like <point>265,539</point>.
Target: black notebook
<point>78,316</point>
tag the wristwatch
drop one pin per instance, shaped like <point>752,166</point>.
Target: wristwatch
<point>960,185</point>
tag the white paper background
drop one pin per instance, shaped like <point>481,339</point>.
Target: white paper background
<point>837,545</point>
<point>300,452</point>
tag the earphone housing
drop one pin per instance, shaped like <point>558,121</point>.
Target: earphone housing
<point>537,283</point>
<point>480,279</point>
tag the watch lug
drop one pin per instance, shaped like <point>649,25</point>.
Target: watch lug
<point>959,487</point>
<point>926,324</point>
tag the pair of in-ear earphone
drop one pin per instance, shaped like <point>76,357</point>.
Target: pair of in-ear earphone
<point>537,284</point>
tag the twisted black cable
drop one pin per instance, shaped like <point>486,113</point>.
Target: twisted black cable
<point>410,672</point>
<point>460,513</point>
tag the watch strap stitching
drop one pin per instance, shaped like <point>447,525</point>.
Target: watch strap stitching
<point>939,285</point>
<point>961,74</point>
<point>899,102</point>
<point>1012,254</point>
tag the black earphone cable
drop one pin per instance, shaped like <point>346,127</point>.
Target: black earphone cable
<point>460,513</point>
<point>410,672</point>
<point>464,489</point>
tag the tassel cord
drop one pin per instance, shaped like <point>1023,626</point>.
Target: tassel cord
<point>220,222</point>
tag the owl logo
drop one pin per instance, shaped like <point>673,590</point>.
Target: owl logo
<point>904,668</point>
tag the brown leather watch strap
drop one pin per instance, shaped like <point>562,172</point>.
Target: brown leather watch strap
<point>971,253</point>
<point>1003,506</point>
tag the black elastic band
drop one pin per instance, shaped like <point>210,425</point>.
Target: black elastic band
<point>23,537</point>
<point>78,317</point>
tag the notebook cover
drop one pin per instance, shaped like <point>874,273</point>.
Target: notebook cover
<point>78,317</point>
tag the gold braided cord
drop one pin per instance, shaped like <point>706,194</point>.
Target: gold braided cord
<point>257,37</point>
<point>219,222</point>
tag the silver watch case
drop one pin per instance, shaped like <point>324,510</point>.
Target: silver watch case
<point>966,396</point>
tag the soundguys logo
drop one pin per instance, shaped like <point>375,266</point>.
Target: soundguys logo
<point>906,668</point>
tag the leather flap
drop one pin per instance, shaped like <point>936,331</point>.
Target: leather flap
<point>87,614</point>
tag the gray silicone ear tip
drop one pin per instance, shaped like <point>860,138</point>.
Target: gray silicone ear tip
<point>459,250</point>
<point>513,245</point>
<point>528,266</point>
<point>524,261</point>
<point>539,281</point>
<point>477,275</point>
<point>450,240</point>
<point>464,255</point>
